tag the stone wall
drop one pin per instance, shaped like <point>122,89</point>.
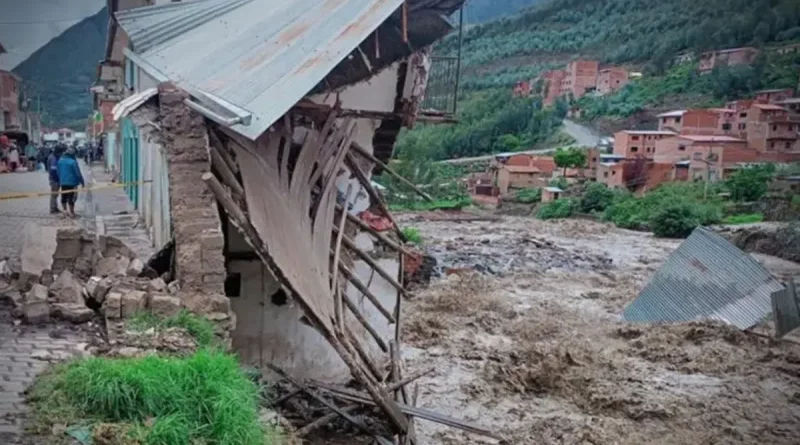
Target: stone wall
<point>199,264</point>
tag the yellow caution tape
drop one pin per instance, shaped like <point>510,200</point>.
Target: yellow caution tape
<point>7,196</point>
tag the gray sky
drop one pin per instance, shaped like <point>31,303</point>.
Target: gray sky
<point>27,25</point>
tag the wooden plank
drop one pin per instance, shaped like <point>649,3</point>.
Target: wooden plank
<point>359,285</point>
<point>337,293</point>
<point>351,246</point>
<point>360,150</point>
<point>380,236</point>
<point>373,195</point>
<point>421,413</point>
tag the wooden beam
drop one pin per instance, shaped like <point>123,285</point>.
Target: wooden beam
<point>351,246</point>
<point>226,156</point>
<point>225,172</point>
<point>336,252</point>
<point>373,195</point>
<point>360,150</point>
<point>359,285</point>
<point>378,235</point>
<point>360,317</point>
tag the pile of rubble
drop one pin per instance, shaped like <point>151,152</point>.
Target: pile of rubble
<point>68,275</point>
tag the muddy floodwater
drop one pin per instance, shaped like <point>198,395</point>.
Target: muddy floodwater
<point>534,348</point>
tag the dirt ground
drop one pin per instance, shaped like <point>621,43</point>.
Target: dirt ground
<point>533,347</point>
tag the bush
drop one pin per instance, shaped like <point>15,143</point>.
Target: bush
<point>596,198</point>
<point>630,212</point>
<point>675,221</point>
<point>746,218</point>
<point>750,184</point>
<point>561,208</point>
<point>560,182</point>
<point>204,398</point>
<point>413,235</point>
<point>528,196</point>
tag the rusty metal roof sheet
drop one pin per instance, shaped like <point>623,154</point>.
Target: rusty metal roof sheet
<point>261,56</point>
<point>786,309</point>
<point>706,278</point>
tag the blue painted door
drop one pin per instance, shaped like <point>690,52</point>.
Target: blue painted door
<point>130,160</point>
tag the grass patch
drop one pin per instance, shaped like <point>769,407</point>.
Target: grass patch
<point>746,218</point>
<point>413,235</point>
<point>439,204</point>
<point>197,326</point>
<point>201,399</point>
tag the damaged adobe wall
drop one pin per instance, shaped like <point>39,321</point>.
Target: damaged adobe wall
<point>199,263</point>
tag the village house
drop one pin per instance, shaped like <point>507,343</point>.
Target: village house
<point>791,104</point>
<point>551,84</point>
<point>610,174</point>
<point>550,194</point>
<point>522,89</point>
<point>726,57</point>
<point>344,74</point>
<point>705,154</point>
<point>638,143</point>
<point>611,79</point>
<point>774,95</point>
<point>771,128</point>
<point>511,177</point>
<point>10,86</point>
<point>580,78</point>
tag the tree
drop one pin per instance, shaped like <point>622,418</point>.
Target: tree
<point>750,184</point>
<point>596,198</point>
<point>569,158</point>
<point>675,221</point>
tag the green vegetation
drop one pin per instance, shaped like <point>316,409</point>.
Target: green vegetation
<point>682,86</point>
<point>197,326</point>
<point>490,121</point>
<point>747,218</point>
<point>630,212</point>
<point>596,198</point>
<point>558,209</point>
<point>675,221</point>
<point>620,31</point>
<point>572,157</point>
<point>413,235</point>
<point>204,398</point>
<point>62,71</point>
<point>560,182</point>
<point>750,184</point>
<point>477,11</point>
<point>528,196</point>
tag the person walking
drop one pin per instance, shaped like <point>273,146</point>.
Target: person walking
<point>13,158</point>
<point>55,186</point>
<point>69,177</point>
<point>31,155</point>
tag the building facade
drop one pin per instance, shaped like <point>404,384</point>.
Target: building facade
<point>10,86</point>
<point>726,57</point>
<point>611,79</point>
<point>580,78</point>
<point>638,143</point>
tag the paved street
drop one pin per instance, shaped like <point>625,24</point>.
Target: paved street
<point>26,350</point>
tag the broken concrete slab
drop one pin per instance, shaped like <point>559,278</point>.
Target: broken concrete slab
<point>34,308</point>
<point>133,302</point>
<point>165,305</point>
<point>135,267</point>
<point>101,289</point>
<point>112,266</point>
<point>66,289</point>
<point>73,312</point>
<point>38,246</point>
<point>110,246</point>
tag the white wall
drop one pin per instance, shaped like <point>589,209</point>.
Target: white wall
<point>154,196</point>
<point>266,333</point>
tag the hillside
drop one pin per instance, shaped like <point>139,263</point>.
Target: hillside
<point>480,11</point>
<point>62,70</point>
<point>618,31</point>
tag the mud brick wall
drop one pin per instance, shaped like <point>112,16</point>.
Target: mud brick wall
<point>199,261</point>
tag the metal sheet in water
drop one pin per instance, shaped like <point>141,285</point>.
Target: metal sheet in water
<point>786,310</point>
<point>706,278</point>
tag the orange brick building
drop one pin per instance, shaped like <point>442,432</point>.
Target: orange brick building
<point>581,78</point>
<point>552,85</point>
<point>726,57</point>
<point>771,128</point>
<point>635,143</point>
<point>704,153</point>
<point>611,79</point>
<point>772,96</point>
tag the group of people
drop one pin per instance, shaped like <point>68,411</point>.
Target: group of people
<point>65,177</point>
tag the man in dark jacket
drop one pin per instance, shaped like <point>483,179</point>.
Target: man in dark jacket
<point>69,177</point>
<point>52,171</point>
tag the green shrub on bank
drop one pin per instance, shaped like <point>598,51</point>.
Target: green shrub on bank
<point>746,218</point>
<point>637,213</point>
<point>197,326</point>
<point>204,398</point>
<point>413,235</point>
<point>558,209</point>
<point>528,196</point>
<point>596,198</point>
<point>675,221</point>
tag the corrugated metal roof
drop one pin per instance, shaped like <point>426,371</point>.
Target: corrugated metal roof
<point>785,309</point>
<point>706,278</point>
<point>262,56</point>
<point>131,103</point>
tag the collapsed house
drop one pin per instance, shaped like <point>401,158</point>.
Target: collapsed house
<point>259,125</point>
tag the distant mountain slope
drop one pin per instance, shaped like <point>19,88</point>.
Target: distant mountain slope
<point>63,70</point>
<point>628,30</point>
<point>479,11</point>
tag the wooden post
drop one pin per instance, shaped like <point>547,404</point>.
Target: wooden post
<point>391,172</point>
